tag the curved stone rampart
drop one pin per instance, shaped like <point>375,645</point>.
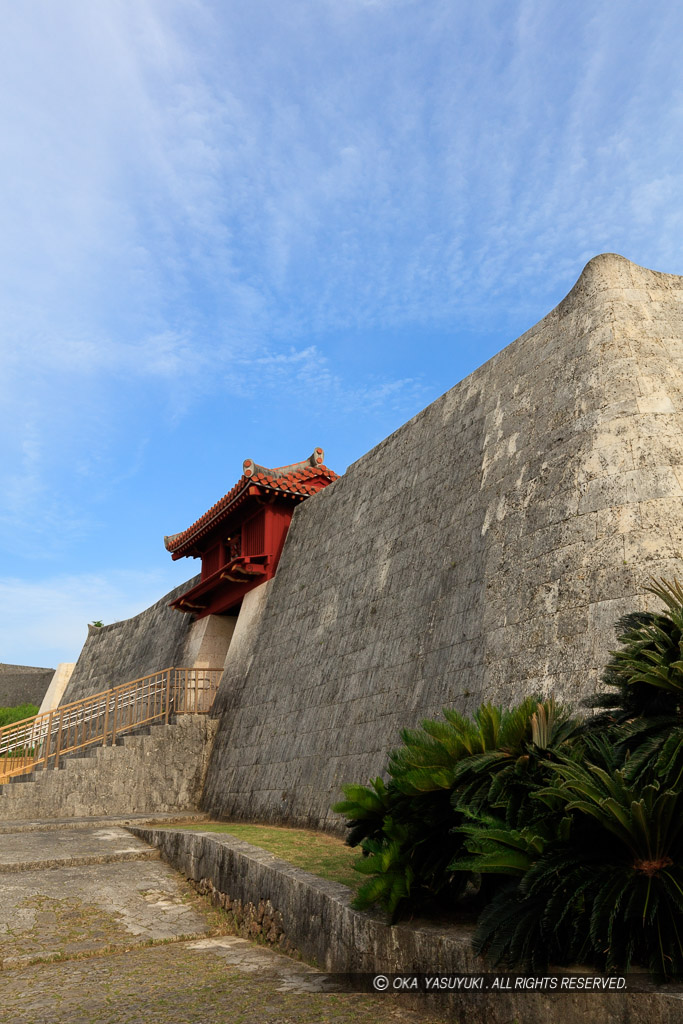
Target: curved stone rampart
<point>482,552</point>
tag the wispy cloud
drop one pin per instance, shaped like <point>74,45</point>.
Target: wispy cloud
<point>212,189</point>
<point>250,159</point>
<point>307,375</point>
<point>219,218</point>
<point>45,621</point>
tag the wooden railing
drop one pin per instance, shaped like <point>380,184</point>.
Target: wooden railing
<point>42,740</point>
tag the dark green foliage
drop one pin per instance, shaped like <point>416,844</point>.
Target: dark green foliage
<point>570,830</point>
<point>496,848</point>
<point>408,829</point>
<point>661,759</point>
<point>607,889</point>
<point>407,865</point>
<point>17,714</point>
<point>642,710</point>
<point>645,676</point>
<point>365,807</point>
<point>506,777</point>
<point>432,756</point>
<point>406,846</point>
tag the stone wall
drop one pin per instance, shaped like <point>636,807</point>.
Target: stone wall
<point>156,638</point>
<point>482,552</point>
<point>58,685</point>
<point>162,772</point>
<point>22,684</point>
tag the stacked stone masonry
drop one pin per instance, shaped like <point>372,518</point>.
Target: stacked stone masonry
<point>22,684</point>
<point>158,773</point>
<point>482,552</point>
<point>117,653</point>
<point>279,904</point>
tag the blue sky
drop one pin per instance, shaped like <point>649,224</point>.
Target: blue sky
<point>233,230</point>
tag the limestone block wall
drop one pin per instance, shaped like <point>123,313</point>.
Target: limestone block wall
<point>158,773</point>
<point>208,641</point>
<point>482,552</point>
<point>156,638</point>
<point>23,684</point>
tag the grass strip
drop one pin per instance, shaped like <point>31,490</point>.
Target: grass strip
<point>322,854</point>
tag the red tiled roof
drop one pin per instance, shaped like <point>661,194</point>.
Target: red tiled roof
<point>301,480</point>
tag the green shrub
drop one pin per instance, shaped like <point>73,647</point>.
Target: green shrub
<point>606,889</point>
<point>408,829</point>
<point>644,677</point>
<point>16,714</point>
<point>571,830</point>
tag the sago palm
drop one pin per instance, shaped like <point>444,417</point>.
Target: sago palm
<point>645,675</point>
<point>608,891</point>
<point>407,828</point>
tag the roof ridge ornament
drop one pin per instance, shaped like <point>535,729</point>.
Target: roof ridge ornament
<point>251,468</point>
<point>296,482</point>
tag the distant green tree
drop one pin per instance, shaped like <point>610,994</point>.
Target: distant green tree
<point>17,714</point>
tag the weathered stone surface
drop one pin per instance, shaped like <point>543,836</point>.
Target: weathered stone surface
<point>259,922</point>
<point>79,945</point>
<point>23,684</point>
<point>41,849</point>
<point>314,916</point>
<point>163,772</point>
<point>219,980</point>
<point>82,891</point>
<point>58,684</point>
<point>156,638</point>
<point>482,552</point>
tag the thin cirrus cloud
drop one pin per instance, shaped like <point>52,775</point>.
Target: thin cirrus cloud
<point>316,215</point>
<point>62,606</point>
<point>227,193</point>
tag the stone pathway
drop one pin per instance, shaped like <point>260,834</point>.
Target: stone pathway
<point>95,928</point>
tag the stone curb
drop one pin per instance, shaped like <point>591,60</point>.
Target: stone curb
<point>314,916</point>
<point>57,824</point>
<point>77,862</point>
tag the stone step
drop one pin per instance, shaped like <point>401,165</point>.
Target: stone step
<point>38,850</point>
<point>75,759</point>
<point>85,753</point>
<point>103,821</point>
<point>158,773</point>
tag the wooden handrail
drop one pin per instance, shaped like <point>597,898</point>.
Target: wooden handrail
<point>100,718</point>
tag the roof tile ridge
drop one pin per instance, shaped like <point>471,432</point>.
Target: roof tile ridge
<point>176,540</point>
<point>296,478</point>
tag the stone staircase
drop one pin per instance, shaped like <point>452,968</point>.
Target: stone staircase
<point>159,770</point>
